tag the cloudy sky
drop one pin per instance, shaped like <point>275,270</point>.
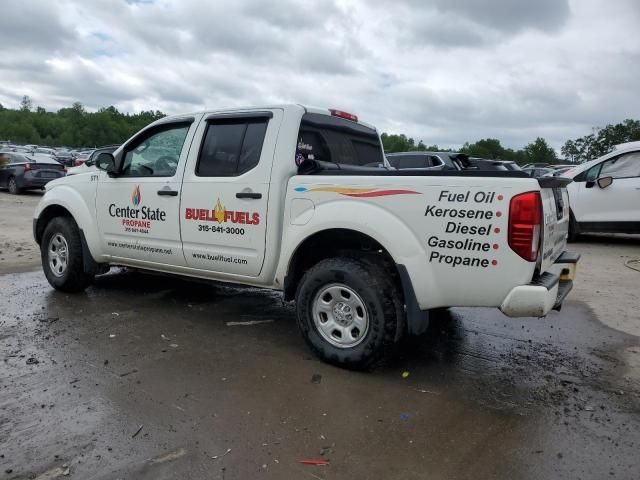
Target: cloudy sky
<point>444,71</point>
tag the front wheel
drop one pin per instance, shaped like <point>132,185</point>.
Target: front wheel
<point>62,256</point>
<point>349,311</point>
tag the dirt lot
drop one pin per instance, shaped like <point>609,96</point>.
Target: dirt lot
<point>18,251</point>
<point>141,377</point>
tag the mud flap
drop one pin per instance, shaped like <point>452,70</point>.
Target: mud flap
<point>417,320</point>
<point>89,264</point>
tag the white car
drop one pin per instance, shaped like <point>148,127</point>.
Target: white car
<point>279,197</point>
<point>605,193</point>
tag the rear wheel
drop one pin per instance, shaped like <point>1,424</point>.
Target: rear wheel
<point>13,186</point>
<point>350,311</point>
<point>62,256</point>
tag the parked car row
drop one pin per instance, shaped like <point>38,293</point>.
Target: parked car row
<point>446,161</point>
<point>64,155</point>
<point>25,167</point>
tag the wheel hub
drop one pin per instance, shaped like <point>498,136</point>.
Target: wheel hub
<point>58,253</point>
<point>340,316</point>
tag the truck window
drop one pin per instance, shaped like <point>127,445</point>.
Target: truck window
<point>231,147</point>
<point>333,139</point>
<point>156,153</point>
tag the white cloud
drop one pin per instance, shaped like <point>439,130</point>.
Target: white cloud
<point>442,71</point>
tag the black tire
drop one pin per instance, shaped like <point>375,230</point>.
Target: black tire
<point>14,189</point>
<point>574,231</point>
<point>72,278</point>
<point>373,284</point>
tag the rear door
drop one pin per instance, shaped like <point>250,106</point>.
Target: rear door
<point>225,192</point>
<point>138,210</point>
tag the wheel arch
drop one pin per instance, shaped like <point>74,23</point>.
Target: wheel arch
<point>329,243</point>
<point>68,202</point>
<point>48,214</point>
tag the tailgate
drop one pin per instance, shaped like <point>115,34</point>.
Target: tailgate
<point>555,209</point>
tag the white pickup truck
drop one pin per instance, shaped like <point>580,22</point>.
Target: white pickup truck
<point>293,198</point>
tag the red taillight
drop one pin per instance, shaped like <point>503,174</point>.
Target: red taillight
<point>525,218</point>
<point>78,162</point>
<point>27,166</point>
<point>341,114</point>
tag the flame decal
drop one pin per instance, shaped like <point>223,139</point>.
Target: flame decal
<point>219,212</point>
<point>358,192</point>
<point>382,193</point>
<point>136,196</point>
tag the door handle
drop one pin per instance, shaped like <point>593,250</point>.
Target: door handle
<point>168,193</point>
<point>252,195</point>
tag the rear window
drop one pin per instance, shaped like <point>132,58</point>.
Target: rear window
<point>337,140</point>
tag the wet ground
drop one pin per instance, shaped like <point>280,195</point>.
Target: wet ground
<point>141,377</point>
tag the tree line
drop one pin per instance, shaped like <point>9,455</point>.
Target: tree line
<point>578,150</point>
<point>70,127</point>
<point>75,127</point>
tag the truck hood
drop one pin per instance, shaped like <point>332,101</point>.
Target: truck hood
<point>70,180</point>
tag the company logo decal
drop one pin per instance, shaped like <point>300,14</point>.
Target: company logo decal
<point>220,214</point>
<point>136,196</point>
<point>137,219</point>
<point>359,192</point>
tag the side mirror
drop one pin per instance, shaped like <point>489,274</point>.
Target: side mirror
<point>106,163</point>
<point>604,182</point>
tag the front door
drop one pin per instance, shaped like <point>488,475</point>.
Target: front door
<point>620,201</point>
<point>225,193</point>
<point>138,210</point>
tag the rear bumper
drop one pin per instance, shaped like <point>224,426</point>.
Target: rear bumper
<point>546,292</point>
<point>31,180</point>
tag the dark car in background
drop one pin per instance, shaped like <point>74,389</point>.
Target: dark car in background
<point>420,160</point>
<point>429,160</point>
<point>538,171</point>
<point>486,164</point>
<point>510,165</point>
<point>65,158</point>
<point>22,171</point>
<point>447,161</point>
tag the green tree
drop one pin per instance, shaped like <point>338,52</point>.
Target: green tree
<point>393,143</point>
<point>487,148</point>
<point>26,104</point>
<point>602,141</point>
<point>539,151</point>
